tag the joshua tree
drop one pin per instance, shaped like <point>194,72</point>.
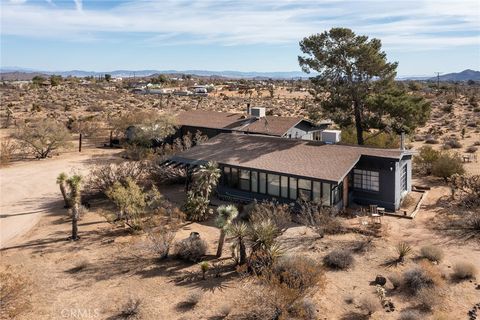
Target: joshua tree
<point>75,185</point>
<point>239,232</point>
<point>206,178</point>
<point>61,181</point>
<point>226,214</point>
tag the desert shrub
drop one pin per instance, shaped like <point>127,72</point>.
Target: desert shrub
<point>447,165</point>
<point>410,315</point>
<point>370,304</point>
<point>276,212</point>
<point>452,143</point>
<point>363,245</point>
<point>161,241</point>
<point>14,293</point>
<point>192,248</point>
<point>321,219</point>
<point>137,153</point>
<point>431,140</point>
<point>190,301</point>
<point>469,186</point>
<point>428,298</point>
<point>425,159</point>
<point>403,249</point>
<point>133,203</point>
<point>396,280</point>
<point>472,149</point>
<point>432,253</point>
<point>103,177</point>
<point>471,222</point>
<point>224,311</point>
<point>420,277</point>
<point>297,272</point>
<point>42,138</point>
<point>131,309</point>
<point>304,309</point>
<point>8,148</point>
<point>338,259</point>
<point>464,270</point>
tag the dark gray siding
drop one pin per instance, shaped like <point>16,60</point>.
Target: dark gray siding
<point>386,196</point>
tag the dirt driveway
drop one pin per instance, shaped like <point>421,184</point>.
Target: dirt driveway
<point>29,189</point>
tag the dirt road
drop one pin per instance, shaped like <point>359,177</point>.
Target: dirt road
<point>29,189</point>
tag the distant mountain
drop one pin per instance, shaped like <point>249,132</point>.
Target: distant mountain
<point>465,75</point>
<point>146,73</point>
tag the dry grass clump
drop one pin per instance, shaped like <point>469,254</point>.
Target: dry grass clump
<point>190,301</point>
<point>191,249</point>
<point>420,277</point>
<point>297,272</point>
<point>370,305</point>
<point>464,270</point>
<point>339,259</point>
<point>427,299</point>
<point>131,309</point>
<point>408,201</point>
<point>432,253</point>
<point>14,294</point>
<point>396,280</point>
<point>410,315</point>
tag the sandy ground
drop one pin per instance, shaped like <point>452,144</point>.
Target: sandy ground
<point>29,189</point>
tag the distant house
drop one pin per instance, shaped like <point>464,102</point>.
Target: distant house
<point>255,121</point>
<point>263,167</point>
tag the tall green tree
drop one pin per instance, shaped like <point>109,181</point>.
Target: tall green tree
<point>226,214</point>
<point>351,69</point>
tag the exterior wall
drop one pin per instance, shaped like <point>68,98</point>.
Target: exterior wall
<point>387,195</point>
<point>297,133</point>
<point>399,193</point>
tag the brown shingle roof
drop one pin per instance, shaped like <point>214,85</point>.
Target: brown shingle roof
<point>294,157</point>
<point>270,125</point>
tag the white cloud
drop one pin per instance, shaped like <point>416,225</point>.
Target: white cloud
<point>408,25</point>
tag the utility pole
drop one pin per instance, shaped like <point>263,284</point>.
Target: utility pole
<point>438,81</point>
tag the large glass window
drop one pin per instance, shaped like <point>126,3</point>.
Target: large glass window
<point>366,180</point>
<point>293,188</point>
<point>245,180</point>
<point>317,191</point>
<point>234,178</point>
<point>284,187</point>
<point>305,189</point>
<point>337,193</point>
<point>263,182</point>
<point>326,194</point>
<point>254,181</point>
<point>273,184</point>
<point>226,175</point>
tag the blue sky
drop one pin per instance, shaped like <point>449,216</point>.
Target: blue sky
<point>424,36</point>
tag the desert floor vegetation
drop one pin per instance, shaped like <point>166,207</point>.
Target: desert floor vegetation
<point>273,262</point>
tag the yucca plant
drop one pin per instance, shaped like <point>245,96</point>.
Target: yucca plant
<point>239,232</point>
<point>61,181</point>
<point>263,234</point>
<point>204,266</point>
<point>403,249</point>
<point>226,214</point>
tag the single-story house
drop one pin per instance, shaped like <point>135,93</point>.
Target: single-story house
<point>262,167</point>
<point>254,121</point>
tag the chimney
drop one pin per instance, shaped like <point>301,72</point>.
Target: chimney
<point>248,109</point>
<point>402,141</point>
